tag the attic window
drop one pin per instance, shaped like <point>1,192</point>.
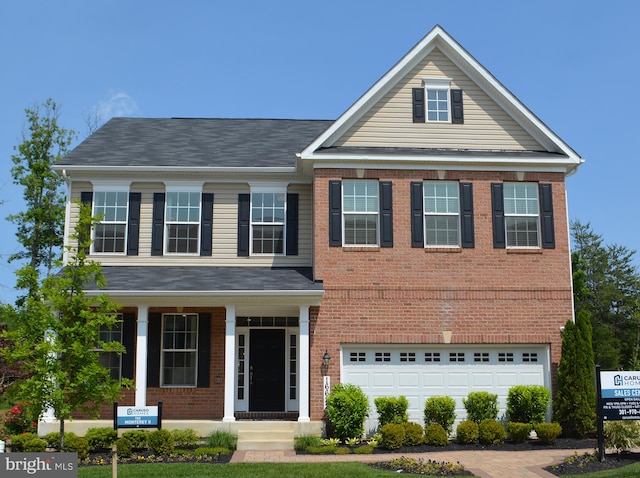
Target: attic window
<point>436,102</point>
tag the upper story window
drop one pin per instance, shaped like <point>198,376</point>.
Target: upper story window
<point>441,105</point>
<point>437,100</point>
<point>182,222</point>
<point>360,205</point>
<point>179,350</point>
<point>442,213</point>
<point>268,213</point>
<point>109,236</point>
<point>521,214</point>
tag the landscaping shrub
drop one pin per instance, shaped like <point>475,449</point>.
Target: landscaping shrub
<point>222,439</point>
<point>322,449</point>
<point>304,441</point>
<point>187,438</point>
<point>622,435</point>
<point>491,432</point>
<point>342,450</point>
<point>392,436</point>
<point>347,408</point>
<point>548,432</point>
<point>18,421</point>
<point>441,410</point>
<point>74,443</point>
<point>528,403</point>
<point>363,450</point>
<point>480,406</point>
<point>391,409</point>
<point>413,434</point>
<point>435,434</point>
<point>27,442</point>
<point>53,440</point>
<point>518,432</point>
<point>123,446</point>
<point>211,451</point>
<point>467,432</point>
<point>137,438</point>
<point>160,442</point>
<point>101,438</point>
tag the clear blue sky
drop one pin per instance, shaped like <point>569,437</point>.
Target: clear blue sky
<point>575,64</point>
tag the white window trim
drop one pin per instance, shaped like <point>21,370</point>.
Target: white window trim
<point>426,214</point>
<point>182,187</point>
<point>162,350</point>
<point>275,188</point>
<point>111,187</point>
<point>537,216</point>
<point>442,84</point>
<point>347,213</point>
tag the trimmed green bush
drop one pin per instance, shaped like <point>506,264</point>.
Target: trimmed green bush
<point>548,432</point>
<point>302,442</point>
<point>123,446</point>
<point>222,439</point>
<point>347,409</point>
<point>160,442</point>
<point>79,445</point>
<point>343,450</point>
<point>137,438</point>
<point>528,403</point>
<point>322,449</point>
<point>441,410</point>
<point>392,436</point>
<point>187,438</point>
<point>622,435</point>
<point>413,434</point>
<point>391,409</point>
<point>518,432</point>
<point>101,438</point>
<point>436,435</point>
<point>363,450</point>
<point>53,440</point>
<point>467,432</point>
<point>27,442</point>
<point>491,432</point>
<point>480,406</point>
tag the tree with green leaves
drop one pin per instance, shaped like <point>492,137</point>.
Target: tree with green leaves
<point>574,406</point>
<point>55,334</point>
<point>40,226</point>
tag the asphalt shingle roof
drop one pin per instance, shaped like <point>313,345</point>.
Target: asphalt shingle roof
<point>194,142</point>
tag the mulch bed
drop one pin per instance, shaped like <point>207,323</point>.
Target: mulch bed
<point>142,457</point>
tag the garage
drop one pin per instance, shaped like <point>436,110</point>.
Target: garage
<point>419,372</point>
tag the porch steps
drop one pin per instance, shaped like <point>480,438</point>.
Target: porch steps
<point>266,435</point>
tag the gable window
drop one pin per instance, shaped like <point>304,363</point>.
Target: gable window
<point>111,360</point>
<point>179,350</point>
<point>182,222</point>
<point>268,211</point>
<point>441,105</point>
<point>360,212</point>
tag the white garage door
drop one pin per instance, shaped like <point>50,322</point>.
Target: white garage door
<point>420,372</point>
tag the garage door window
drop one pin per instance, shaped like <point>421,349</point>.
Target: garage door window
<point>383,357</point>
<point>481,357</point>
<point>505,357</point>
<point>432,356</point>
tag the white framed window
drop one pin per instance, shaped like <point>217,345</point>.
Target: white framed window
<point>109,236</point>
<point>441,213</point>
<point>182,221</point>
<point>438,106</point>
<point>521,214</point>
<point>179,358</point>
<point>111,360</point>
<point>360,206</point>
<point>268,221</point>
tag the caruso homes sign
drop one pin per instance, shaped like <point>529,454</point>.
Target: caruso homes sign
<point>620,395</point>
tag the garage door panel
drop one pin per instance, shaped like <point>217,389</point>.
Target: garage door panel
<point>408,380</point>
<point>534,378</point>
<point>433,380</point>
<point>359,378</point>
<point>482,379</point>
<point>381,379</point>
<point>458,379</point>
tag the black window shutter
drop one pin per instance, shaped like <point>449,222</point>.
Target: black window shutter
<point>154,336</point>
<point>546,213</point>
<point>292,224</point>
<point>497,205</point>
<point>417,216</point>
<point>86,198</point>
<point>243,224</point>
<point>418,105</point>
<point>335,213</point>
<point>129,342</point>
<point>157,225</point>
<point>386,214</point>
<point>204,349</point>
<point>133,228</point>
<point>206,226</point>
<point>457,112</point>
<point>466,215</point>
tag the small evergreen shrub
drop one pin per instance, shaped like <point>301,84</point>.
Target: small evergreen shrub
<point>491,432</point>
<point>187,438</point>
<point>27,442</point>
<point>467,432</point>
<point>391,409</point>
<point>436,435</point>
<point>322,449</point>
<point>441,410</point>
<point>137,438</point>
<point>53,440</point>
<point>222,439</point>
<point>304,441</point>
<point>392,436</point>
<point>518,432</point>
<point>413,434</point>
<point>101,438</point>
<point>123,447</point>
<point>160,442</point>
<point>343,450</point>
<point>622,435</point>
<point>214,451</point>
<point>528,403</point>
<point>363,450</point>
<point>480,406</point>
<point>347,409</point>
<point>79,445</point>
<point>548,432</point>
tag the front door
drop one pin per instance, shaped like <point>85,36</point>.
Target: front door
<point>267,370</point>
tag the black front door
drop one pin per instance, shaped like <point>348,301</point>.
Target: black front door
<point>266,370</point>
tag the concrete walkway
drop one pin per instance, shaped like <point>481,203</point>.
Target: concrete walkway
<point>486,464</point>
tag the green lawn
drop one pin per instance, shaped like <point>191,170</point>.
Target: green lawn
<point>631,471</point>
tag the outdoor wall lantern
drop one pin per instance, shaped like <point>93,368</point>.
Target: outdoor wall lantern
<point>326,358</point>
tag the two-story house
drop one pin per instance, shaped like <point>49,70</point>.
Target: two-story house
<point>420,241</point>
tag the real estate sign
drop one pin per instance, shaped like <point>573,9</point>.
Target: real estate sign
<point>620,395</point>
<point>137,417</point>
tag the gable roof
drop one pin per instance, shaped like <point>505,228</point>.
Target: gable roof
<point>556,154</point>
<point>157,143</point>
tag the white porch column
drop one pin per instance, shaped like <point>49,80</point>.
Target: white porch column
<point>141,356</point>
<point>303,387</point>
<point>230,364</point>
